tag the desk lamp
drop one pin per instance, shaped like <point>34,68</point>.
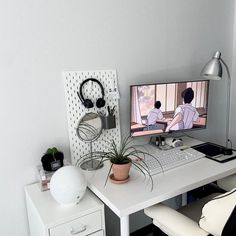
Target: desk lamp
<point>213,71</point>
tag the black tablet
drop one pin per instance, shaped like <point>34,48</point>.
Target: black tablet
<point>214,152</point>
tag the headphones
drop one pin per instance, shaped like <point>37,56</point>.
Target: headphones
<point>174,142</point>
<point>87,102</point>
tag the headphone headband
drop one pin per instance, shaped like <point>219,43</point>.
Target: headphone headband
<point>93,80</point>
<point>87,102</point>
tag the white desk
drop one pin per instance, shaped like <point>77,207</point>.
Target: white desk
<point>135,195</point>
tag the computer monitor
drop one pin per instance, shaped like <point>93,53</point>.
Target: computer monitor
<point>168,107</point>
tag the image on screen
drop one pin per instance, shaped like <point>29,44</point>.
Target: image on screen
<point>168,107</point>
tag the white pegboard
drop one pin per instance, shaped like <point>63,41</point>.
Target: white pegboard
<point>76,110</point>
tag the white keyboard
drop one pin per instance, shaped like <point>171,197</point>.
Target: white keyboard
<point>170,159</point>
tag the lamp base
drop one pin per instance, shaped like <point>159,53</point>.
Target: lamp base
<point>91,165</point>
<point>227,151</point>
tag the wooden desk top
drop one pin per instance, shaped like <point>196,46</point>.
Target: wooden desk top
<point>137,126</point>
<point>147,132</point>
<point>201,121</point>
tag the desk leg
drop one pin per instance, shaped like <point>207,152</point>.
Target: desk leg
<point>184,199</point>
<point>124,226</point>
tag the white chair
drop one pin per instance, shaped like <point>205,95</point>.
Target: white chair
<point>216,216</point>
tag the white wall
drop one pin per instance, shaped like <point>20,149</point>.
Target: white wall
<point>145,41</point>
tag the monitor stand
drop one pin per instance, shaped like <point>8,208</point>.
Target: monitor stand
<point>166,143</point>
<point>159,142</point>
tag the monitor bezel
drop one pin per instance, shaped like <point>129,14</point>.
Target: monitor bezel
<point>173,131</point>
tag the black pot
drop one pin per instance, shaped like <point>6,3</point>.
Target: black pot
<point>51,163</point>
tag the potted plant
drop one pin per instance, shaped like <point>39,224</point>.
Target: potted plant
<point>52,159</point>
<point>122,157</point>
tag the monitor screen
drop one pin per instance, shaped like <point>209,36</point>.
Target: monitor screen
<point>168,107</point>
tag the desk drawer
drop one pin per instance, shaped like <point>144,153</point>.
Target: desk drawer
<point>80,227</point>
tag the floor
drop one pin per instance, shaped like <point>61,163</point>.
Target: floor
<point>150,230</point>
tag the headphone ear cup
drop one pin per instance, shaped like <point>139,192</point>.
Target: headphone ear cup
<point>100,103</point>
<point>88,103</point>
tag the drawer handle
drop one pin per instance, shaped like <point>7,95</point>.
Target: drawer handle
<point>73,232</point>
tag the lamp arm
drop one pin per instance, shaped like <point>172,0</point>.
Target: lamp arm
<point>228,103</point>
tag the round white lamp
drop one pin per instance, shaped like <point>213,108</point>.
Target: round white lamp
<point>68,185</point>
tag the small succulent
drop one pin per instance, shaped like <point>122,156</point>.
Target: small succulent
<point>52,151</point>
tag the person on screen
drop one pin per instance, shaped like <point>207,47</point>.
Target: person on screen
<point>185,114</point>
<point>154,115</point>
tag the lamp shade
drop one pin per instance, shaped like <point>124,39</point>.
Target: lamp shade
<point>213,68</point>
<point>68,185</point>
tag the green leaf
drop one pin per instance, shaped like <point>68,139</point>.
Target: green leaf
<point>121,154</point>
